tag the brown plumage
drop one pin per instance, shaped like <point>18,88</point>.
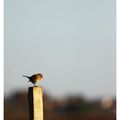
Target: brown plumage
<point>34,78</point>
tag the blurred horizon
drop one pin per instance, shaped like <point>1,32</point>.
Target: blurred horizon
<point>61,96</point>
<point>72,43</point>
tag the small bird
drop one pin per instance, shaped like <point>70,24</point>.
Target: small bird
<point>34,78</point>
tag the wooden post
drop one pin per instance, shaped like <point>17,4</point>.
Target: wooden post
<point>35,103</point>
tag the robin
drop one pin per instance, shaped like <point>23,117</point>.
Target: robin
<point>34,78</point>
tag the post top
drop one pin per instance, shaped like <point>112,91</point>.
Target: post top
<point>36,87</point>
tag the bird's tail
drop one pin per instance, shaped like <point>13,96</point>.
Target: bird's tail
<point>27,77</point>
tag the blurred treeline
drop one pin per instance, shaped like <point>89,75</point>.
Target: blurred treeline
<point>68,108</point>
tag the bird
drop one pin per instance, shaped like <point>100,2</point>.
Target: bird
<point>34,78</point>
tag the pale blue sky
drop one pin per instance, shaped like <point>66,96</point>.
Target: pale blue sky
<point>72,42</point>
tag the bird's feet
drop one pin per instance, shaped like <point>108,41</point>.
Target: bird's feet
<point>35,85</point>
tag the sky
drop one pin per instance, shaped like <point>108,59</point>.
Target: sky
<point>71,42</point>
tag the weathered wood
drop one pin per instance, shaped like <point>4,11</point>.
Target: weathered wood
<point>35,103</point>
